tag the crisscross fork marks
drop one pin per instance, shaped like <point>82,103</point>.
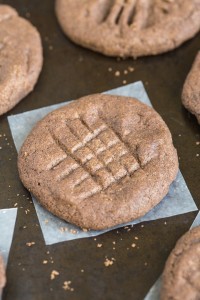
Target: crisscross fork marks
<point>127,13</point>
<point>101,168</point>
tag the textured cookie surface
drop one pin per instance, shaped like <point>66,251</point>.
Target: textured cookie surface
<point>20,58</point>
<point>181,277</point>
<point>191,89</point>
<point>99,161</point>
<point>2,275</point>
<point>129,27</point>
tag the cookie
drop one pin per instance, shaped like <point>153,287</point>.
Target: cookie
<point>129,27</point>
<point>191,89</point>
<point>20,58</point>
<point>99,161</point>
<point>2,275</point>
<point>181,277</point>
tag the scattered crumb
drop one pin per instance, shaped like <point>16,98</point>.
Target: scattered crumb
<point>53,275</point>
<point>197,155</point>
<point>145,263</point>
<point>95,239</point>
<point>114,242</point>
<point>50,47</point>
<point>125,72</point>
<point>85,229</point>
<point>142,226</point>
<point>15,204</point>
<point>66,286</point>
<point>165,223</point>
<point>133,245</point>
<point>197,143</point>
<point>45,262</point>
<point>46,221</point>
<point>113,248</point>
<point>108,262</point>
<point>110,69</point>
<point>136,238</point>
<point>82,271</point>
<point>24,227</point>
<point>99,245</point>
<point>29,244</point>
<point>117,73</point>
<point>131,69</point>
<point>73,231</point>
<point>124,82</point>
<point>179,135</point>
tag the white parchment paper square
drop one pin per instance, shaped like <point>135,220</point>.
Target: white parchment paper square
<point>178,201</point>
<point>7,225</point>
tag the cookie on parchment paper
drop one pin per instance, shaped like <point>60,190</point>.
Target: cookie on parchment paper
<point>191,89</point>
<point>129,27</point>
<point>99,161</point>
<point>181,277</point>
<point>20,58</point>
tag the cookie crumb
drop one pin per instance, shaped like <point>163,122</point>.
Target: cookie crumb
<point>131,69</point>
<point>29,244</point>
<point>108,262</point>
<point>117,73</point>
<point>53,275</point>
<point>84,229</point>
<point>136,238</point>
<point>67,287</point>
<point>133,245</point>
<point>45,262</point>
<point>197,155</point>
<point>99,245</point>
<point>82,271</point>
<point>110,69</point>
<point>197,143</point>
<point>124,82</point>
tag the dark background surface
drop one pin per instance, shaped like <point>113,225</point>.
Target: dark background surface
<point>69,72</point>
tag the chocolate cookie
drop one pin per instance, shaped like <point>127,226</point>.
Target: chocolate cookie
<point>191,89</point>
<point>181,277</point>
<point>2,275</point>
<point>99,161</point>
<point>20,58</point>
<point>129,27</point>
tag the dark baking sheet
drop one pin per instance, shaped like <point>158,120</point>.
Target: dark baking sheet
<point>70,72</point>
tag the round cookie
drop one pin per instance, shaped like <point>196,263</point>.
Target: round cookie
<point>181,277</point>
<point>129,27</point>
<point>2,275</point>
<point>99,161</point>
<point>191,89</point>
<point>20,58</point>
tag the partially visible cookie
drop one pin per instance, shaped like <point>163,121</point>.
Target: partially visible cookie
<point>100,161</point>
<point>20,58</point>
<point>129,27</point>
<point>191,89</point>
<point>181,277</point>
<point>2,275</point>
